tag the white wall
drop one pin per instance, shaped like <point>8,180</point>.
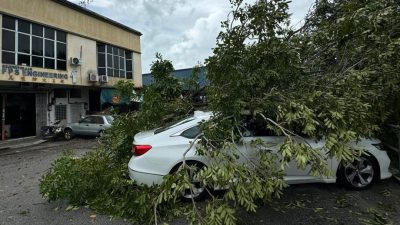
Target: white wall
<point>76,45</point>
<point>73,115</point>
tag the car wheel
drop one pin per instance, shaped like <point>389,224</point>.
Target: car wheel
<point>101,133</point>
<point>360,174</point>
<point>198,190</point>
<point>68,135</point>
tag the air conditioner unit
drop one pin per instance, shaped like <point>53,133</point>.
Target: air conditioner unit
<point>76,61</point>
<point>93,77</point>
<point>104,79</point>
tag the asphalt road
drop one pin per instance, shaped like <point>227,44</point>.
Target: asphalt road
<point>21,202</point>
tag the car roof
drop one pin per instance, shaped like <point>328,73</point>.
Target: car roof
<point>98,115</point>
<point>194,120</point>
<point>202,114</point>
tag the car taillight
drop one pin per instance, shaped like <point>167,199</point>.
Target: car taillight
<point>138,150</point>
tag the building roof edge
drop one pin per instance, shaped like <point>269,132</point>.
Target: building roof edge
<point>96,15</point>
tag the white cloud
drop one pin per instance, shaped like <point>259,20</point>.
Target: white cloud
<point>197,41</point>
<point>299,9</point>
<point>183,31</point>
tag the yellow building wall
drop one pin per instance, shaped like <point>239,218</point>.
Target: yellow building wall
<point>78,47</point>
<point>137,69</point>
<point>75,45</point>
<point>85,32</point>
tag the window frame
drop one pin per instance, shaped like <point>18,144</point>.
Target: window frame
<point>31,35</point>
<point>88,118</point>
<point>15,30</point>
<point>58,111</point>
<point>115,61</point>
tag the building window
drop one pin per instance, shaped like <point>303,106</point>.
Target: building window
<point>8,40</point>
<point>29,44</point>
<point>114,62</point>
<point>61,112</point>
<point>129,65</point>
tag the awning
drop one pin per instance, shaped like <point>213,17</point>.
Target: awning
<point>109,95</point>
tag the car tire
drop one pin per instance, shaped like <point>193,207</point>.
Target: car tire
<point>101,133</point>
<point>360,174</point>
<point>199,192</point>
<point>68,134</point>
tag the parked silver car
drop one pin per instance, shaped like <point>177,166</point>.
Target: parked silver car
<point>93,125</point>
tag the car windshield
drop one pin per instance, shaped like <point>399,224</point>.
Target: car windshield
<point>173,124</point>
<point>109,119</point>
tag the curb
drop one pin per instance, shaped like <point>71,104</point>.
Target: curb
<point>23,145</point>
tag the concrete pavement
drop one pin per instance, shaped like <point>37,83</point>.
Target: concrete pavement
<point>20,143</point>
<point>21,202</point>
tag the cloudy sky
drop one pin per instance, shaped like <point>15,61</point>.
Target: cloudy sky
<point>183,31</point>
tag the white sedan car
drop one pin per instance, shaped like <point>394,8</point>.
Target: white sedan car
<point>159,152</point>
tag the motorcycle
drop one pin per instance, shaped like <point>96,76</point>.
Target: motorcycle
<point>53,131</point>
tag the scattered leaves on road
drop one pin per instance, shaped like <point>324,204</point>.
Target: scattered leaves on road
<point>93,218</point>
<point>24,212</point>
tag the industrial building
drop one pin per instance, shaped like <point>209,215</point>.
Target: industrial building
<point>56,60</point>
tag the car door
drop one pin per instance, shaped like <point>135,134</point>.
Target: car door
<point>83,126</point>
<point>257,130</point>
<point>293,171</point>
<point>95,125</point>
<point>273,144</point>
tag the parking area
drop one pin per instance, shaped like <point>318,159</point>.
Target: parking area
<point>330,204</point>
<point>21,203</point>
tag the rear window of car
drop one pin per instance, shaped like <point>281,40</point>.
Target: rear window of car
<point>172,125</point>
<point>191,133</point>
<point>89,119</point>
<point>98,120</point>
<point>109,119</point>
<point>256,127</point>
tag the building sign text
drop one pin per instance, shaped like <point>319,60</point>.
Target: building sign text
<point>24,71</point>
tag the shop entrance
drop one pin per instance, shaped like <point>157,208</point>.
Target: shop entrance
<point>20,115</point>
<point>2,98</point>
<point>94,101</point>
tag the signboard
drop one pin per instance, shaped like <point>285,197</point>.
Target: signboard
<point>115,99</point>
<point>24,73</point>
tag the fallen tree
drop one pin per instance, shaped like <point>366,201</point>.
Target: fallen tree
<point>335,78</point>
